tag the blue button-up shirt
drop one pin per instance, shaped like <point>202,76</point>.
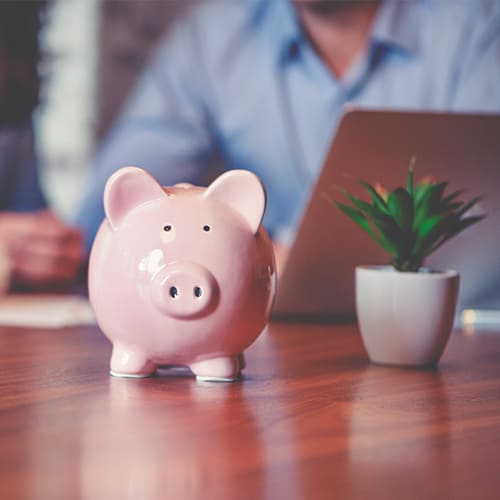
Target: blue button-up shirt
<point>19,187</point>
<point>238,84</point>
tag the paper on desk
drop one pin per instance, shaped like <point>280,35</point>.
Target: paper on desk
<point>45,311</point>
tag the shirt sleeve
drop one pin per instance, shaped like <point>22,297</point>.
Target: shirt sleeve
<point>478,88</point>
<point>165,127</point>
<point>20,190</point>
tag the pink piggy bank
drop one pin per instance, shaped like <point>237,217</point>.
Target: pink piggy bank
<point>182,275</point>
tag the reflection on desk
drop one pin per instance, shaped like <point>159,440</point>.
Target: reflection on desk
<point>312,419</point>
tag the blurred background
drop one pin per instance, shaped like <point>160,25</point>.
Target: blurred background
<point>92,53</point>
<point>259,85</point>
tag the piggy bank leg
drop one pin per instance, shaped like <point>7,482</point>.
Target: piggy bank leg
<point>128,363</point>
<point>242,361</point>
<point>225,369</point>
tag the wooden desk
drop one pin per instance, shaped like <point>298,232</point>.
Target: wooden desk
<point>312,419</point>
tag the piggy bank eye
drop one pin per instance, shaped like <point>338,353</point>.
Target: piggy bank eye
<point>167,233</point>
<point>206,228</point>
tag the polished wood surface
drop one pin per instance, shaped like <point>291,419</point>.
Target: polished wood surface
<point>311,419</point>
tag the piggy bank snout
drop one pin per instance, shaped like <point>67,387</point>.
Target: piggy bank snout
<point>184,290</point>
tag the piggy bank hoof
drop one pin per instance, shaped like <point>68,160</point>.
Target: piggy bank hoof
<point>127,363</point>
<point>130,375</point>
<point>217,370</point>
<point>202,378</point>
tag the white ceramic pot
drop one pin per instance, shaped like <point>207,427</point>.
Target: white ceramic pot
<point>405,318</point>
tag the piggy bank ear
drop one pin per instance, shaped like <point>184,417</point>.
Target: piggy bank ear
<point>126,189</point>
<point>242,191</point>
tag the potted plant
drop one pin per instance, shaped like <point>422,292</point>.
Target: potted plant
<point>405,311</point>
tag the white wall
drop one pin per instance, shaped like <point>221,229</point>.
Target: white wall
<point>65,121</point>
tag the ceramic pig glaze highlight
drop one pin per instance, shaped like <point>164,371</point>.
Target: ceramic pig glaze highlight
<point>182,275</point>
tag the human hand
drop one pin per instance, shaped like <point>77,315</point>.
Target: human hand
<point>280,256</point>
<point>42,250</point>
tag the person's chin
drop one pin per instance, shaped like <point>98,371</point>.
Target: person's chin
<point>327,7</point>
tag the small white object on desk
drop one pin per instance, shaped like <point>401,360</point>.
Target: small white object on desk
<point>480,319</point>
<point>45,311</point>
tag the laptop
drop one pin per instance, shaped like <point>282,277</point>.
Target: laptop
<point>377,146</point>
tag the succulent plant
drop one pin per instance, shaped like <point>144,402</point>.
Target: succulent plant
<point>410,222</point>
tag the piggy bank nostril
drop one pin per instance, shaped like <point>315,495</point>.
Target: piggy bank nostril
<point>198,292</point>
<point>173,292</point>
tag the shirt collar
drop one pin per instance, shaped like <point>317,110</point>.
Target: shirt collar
<point>284,28</point>
<point>396,24</point>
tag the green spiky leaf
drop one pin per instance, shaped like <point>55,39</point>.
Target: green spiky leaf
<point>456,229</point>
<point>467,206</point>
<point>409,180</point>
<point>400,205</point>
<point>357,216</point>
<point>414,221</point>
<point>377,200</point>
<point>370,210</point>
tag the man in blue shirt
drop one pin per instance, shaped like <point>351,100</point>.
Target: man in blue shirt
<point>262,85</point>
